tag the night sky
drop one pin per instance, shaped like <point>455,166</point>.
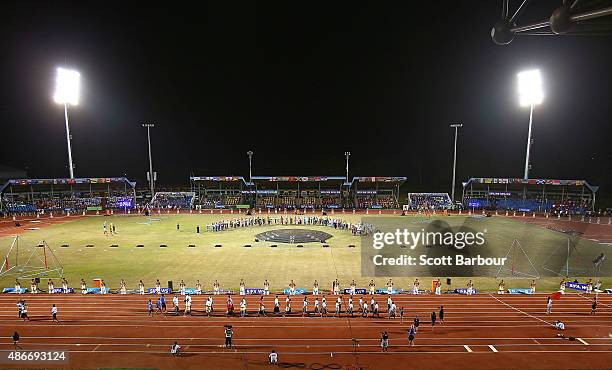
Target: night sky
<point>299,83</point>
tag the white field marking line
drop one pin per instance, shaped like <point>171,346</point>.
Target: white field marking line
<point>535,340</point>
<point>583,341</point>
<point>492,348</point>
<point>523,312</point>
<point>467,348</point>
<point>98,346</point>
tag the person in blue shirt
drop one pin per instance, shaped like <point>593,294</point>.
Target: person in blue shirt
<point>411,335</point>
<point>162,300</point>
<point>150,307</point>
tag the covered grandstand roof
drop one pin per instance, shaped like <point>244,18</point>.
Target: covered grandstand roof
<point>553,182</point>
<point>67,181</point>
<point>369,179</point>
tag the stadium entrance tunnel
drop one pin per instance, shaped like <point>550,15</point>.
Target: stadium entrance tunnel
<point>293,236</point>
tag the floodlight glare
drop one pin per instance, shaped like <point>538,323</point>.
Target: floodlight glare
<point>530,88</point>
<point>67,86</point>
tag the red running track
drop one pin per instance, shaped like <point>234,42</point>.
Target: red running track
<point>480,332</point>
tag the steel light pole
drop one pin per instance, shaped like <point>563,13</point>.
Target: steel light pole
<point>67,86</point>
<point>530,94</point>
<point>250,154</point>
<point>151,176</point>
<point>456,126</point>
<point>347,154</point>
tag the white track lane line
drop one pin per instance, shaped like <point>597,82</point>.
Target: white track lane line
<point>523,312</point>
<point>467,348</point>
<point>583,341</point>
<point>492,348</point>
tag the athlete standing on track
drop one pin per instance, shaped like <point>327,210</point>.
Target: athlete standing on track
<point>384,341</point>
<point>411,335</point>
<point>549,303</point>
<point>594,306</point>
<point>54,314</point>
<point>433,320</point>
<point>141,288</point>
<point>150,307</point>
<point>229,334</point>
<point>441,314</point>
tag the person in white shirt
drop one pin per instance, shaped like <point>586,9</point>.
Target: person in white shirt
<point>141,288</point>
<point>83,287</point>
<point>54,314</point>
<point>390,287</point>
<point>392,310</point>
<point>315,288</point>
<point>266,287</point>
<point>175,349</point>
<point>198,287</point>
<point>209,306</point>
<point>273,356</point>
<point>242,287</point>
<point>372,287</point>
<point>243,307</point>
<point>559,325</point>
<point>175,305</point>
<point>34,286</point>
<point>50,287</point>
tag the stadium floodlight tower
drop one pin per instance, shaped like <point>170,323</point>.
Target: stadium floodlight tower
<point>67,86</point>
<point>250,154</point>
<point>530,94</point>
<point>456,126</point>
<point>151,174</point>
<point>347,154</point>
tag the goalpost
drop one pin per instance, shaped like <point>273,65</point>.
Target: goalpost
<point>40,262</point>
<point>517,257</point>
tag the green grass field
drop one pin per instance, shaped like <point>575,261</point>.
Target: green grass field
<point>279,265</point>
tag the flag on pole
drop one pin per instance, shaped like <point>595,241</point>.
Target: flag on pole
<point>556,295</point>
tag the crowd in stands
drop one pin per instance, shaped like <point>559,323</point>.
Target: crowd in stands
<point>430,201</point>
<point>173,200</point>
<point>537,204</point>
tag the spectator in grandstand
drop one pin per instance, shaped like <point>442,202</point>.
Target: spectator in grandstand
<point>273,357</point>
<point>54,314</point>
